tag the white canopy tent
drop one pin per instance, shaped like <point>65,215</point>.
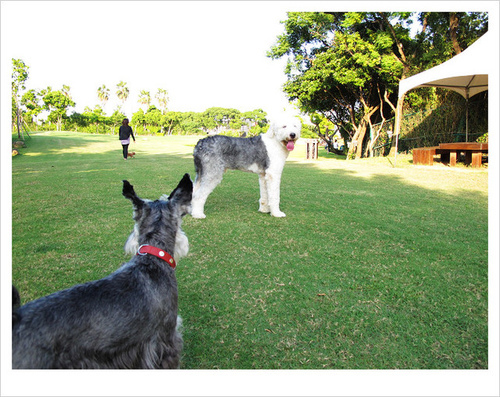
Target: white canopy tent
<point>465,73</point>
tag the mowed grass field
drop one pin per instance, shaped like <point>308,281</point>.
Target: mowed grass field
<point>374,266</point>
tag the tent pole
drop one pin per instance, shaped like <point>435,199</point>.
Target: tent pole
<point>467,114</point>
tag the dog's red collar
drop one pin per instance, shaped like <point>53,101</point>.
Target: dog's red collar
<point>162,254</point>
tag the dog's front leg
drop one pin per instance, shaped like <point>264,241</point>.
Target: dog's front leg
<point>273,182</point>
<point>263,201</point>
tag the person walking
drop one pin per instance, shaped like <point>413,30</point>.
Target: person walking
<point>124,135</point>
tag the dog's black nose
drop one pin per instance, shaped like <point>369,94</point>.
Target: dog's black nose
<point>292,135</point>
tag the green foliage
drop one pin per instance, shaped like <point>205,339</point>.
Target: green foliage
<point>171,121</point>
<point>346,66</point>
<point>213,120</point>
<point>153,117</point>
<point>153,121</point>
<point>436,45</point>
<point>57,102</point>
<point>103,94</point>
<point>31,101</point>
<point>145,98</point>
<point>162,98</point>
<point>439,119</point>
<point>116,118</point>
<point>122,91</point>
<point>95,117</point>
<point>78,120</point>
<point>308,132</point>
<point>19,76</point>
<point>483,138</point>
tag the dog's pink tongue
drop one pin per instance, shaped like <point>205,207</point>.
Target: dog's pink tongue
<point>290,145</point>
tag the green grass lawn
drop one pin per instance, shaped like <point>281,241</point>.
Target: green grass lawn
<point>374,266</point>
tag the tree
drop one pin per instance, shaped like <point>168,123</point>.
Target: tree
<point>19,77</point>
<point>340,72</point>
<point>57,102</point>
<point>325,129</point>
<point>215,119</point>
<point>162,98</point>
<point>66,91</point>
<point>145,98</point>
<point>78,120</point>
<point>449,33</point>
<point>349,75</point>
<point>253,122</point>
<point>347,66</point>
<point>170,120</point>
<point>95,116</point>
<point>139,118</point>
<point>31,101</point>
<point>116,119</point>
<point>255,117</point>
<point>122,91</point>
<point>153,118</point>
<point>192,123</point>
<point>103,95</point>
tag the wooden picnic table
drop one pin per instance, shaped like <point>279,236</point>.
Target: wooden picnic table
<point>449,153</point>
<point>473,152</point>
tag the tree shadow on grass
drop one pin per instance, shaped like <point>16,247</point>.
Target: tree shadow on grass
<point>56,142</point>
<point>79,144</point>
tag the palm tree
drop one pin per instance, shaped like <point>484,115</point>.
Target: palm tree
<point>162,97</point>
<point>145,98</point>
<point>122,91</point>
<point>65,91</point>
<point>103,95</point>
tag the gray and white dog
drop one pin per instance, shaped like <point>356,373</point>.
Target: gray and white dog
<point>125,320</point>
<point>264,155</point>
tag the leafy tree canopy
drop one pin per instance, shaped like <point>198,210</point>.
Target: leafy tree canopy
<point>347,66</point>
<point>57,102</point>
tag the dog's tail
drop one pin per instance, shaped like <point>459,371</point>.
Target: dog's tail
<point>16,302</point>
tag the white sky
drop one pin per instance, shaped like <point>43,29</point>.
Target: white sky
<point>204,54</point>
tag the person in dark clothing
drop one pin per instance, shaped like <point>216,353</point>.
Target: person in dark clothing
<point>124,135</point>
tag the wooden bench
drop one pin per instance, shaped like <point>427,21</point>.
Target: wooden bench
<point>425,155</point>
<point>473,152</point>
<point>449,153</point>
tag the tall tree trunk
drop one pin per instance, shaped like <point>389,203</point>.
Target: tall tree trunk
<point>397,124</point>
<point>356,148</point>
<point>453,32</point>
<point>359,135</point>
<point>18,124</point>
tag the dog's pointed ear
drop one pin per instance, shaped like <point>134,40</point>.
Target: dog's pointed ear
<point>183,193</point>
<point>128,192</point>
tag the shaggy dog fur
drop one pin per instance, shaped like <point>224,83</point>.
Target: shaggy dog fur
<point>264,155</point>
<point>125,320</point>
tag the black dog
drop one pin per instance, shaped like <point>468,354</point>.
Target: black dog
<point>126,320</point>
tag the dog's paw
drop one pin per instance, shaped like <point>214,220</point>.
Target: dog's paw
<point>198,215</point>
<point>278,214</point>
<point>264,209</point>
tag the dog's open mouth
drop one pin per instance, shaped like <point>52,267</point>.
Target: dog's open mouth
<point>290,145</point>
